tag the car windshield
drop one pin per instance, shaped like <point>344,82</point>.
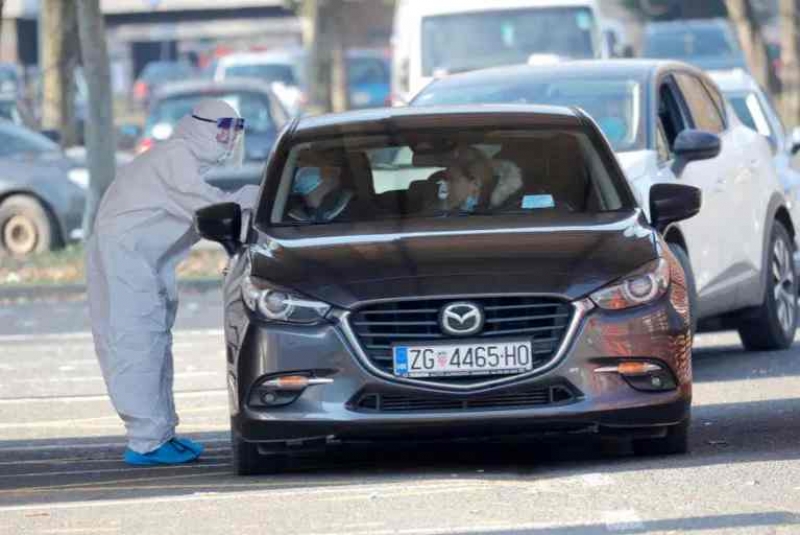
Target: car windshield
<point>615,103</point>
<point>367,71</point>
<point>15,140</point>
<point>270,72</point>
<point>748,109</point>
<point>444,173</point>
<point>689,43</point>
<point>254,107</point>
<point>166,71</point>
<point>469,41</point>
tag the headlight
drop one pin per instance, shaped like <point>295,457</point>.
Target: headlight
<point>643,286</point>
<point>79,176</point>
<point>274,304</point>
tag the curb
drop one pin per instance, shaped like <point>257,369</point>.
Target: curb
<point>62,292</point>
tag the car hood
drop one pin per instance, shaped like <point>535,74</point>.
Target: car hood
<point>349,264</point>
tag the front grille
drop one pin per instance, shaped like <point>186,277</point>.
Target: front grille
<point>539,397</point>
<point>542,319</point>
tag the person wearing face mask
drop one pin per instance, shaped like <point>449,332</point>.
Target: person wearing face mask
<point>467,184</point>
<point>144,228</point>
<point>324,197</point>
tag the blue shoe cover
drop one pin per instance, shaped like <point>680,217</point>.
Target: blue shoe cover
<point>191,444</point>
<point>172,452</point>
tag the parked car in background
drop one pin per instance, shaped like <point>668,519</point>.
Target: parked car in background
<point>156,73</point>
<point>668,122</point>
<point>756,111</point>
<point>285,70</point>
<point>263,113</point>
<point>394,316</point>
<point>10,80</point>
<point>433,39</point>
<point>14,110</point>
<point>710,44</point>
<point>42,193</point>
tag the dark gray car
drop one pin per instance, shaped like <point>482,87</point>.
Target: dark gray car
<point>41,193</point>
<point>451,272</point>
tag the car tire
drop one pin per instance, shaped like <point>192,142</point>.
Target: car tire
<point>247,461</point>
<point>772,325</point>
<point>691,287</point>
<point>676,442</point>
<point>25,226</point>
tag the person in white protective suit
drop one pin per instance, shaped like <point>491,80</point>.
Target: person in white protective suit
<point>144,228</point>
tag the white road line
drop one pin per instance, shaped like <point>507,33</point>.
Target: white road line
<point>85,446</point>
<point>89,378</point>
<point>134,469</point>
<point>385,491</point>
<point>625,520</point>
<point>597,480</point>
<point>104,397</point>
<point>87,335</point>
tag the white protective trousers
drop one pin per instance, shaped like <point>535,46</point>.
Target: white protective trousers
<point>144,228</point>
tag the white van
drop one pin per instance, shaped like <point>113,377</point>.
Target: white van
<point>433,38</point>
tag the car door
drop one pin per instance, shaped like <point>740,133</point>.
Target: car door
<point>683,103</point>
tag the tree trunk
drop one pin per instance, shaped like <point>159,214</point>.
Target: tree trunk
<point>323,35</point>
<point>100,138</point>
<point>790,59</point>
<point>2,5</point>
<point>743,17</point>
<point>340,100</point>
<point>59,57</point>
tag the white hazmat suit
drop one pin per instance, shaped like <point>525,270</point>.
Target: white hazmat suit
<point>144,228</point>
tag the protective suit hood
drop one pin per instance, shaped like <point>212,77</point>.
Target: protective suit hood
<point>201,136</point>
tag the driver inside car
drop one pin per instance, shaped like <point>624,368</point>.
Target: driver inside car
<point>321,194</point>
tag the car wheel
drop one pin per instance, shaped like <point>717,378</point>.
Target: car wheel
<point>247,461</point>
<point>25,227</point>
<point>676,442</point>
<point>772,325</point>
<point>691,287</point>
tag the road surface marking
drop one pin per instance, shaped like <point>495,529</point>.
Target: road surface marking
<point>90,445</point>
<point>87,335</point>
<point>117,470</point>
<point>104,397</point>
<point>597,480</point>
<point>626,520</point>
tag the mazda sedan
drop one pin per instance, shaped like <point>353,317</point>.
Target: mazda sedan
<point>404,279</point>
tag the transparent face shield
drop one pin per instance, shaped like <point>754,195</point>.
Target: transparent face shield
<point>230,135</point>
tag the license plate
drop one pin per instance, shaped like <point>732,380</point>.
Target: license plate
<point>442,360</point>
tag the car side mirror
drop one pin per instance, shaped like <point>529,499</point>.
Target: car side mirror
<point>52,135</point>
<point>670,203</point>
<point>794,141</point>
<point>221,223</point>
<point>694,145</point>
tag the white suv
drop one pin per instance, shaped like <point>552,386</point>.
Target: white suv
<point>668,122</point>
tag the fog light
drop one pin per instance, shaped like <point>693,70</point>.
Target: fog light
<point>283,390</point>
<point>643,375</point>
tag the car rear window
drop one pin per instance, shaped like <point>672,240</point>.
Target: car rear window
<point>446,173</point>
<point>614,102</point>
<point>269,72</point>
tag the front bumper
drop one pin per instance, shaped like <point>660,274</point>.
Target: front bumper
<point>604,402</point>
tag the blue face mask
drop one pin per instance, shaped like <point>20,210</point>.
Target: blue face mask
<point>470,203</point>
<point>307,180</point>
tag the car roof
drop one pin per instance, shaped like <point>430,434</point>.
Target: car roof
<point>376,120</point>
<point>444,7</point>
<point>288,57</point>
<point>682,24</point>
<point>637,69</point>
<point>734,80</point>
<point>175,89</point>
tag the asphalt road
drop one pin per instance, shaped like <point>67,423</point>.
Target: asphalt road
<point>60,445</point>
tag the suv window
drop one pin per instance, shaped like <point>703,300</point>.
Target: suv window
<point>719,101</point>
<point>703,109</point>
<point>670,112</point>
<point>444,173</point>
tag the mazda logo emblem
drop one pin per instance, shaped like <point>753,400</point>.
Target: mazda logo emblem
<point>461,319</point>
